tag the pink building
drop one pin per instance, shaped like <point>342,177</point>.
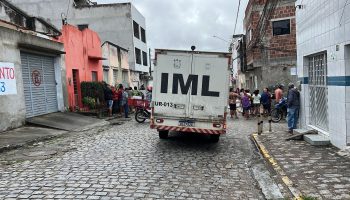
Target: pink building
<point>83,60</point>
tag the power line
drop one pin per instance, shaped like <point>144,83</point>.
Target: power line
<point>239,5</point>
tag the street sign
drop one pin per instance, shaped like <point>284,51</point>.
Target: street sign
<point>7,79</point>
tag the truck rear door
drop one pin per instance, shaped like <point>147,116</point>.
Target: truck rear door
<point>169,100</point>
<point>211,100</point>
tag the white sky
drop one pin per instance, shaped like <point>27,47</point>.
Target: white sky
<point>182,23</point>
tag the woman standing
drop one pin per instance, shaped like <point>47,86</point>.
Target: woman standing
<point>256,102</point>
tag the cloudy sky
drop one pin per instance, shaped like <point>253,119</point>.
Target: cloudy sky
<point>179,24</point>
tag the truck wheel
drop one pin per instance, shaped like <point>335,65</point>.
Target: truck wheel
<point>163,134</point>
<point>214,138</point>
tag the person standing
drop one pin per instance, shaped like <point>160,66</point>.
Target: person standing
<point>233,96</point>
<point>108,98</point>
<point>246,104</point>
<point>120,98</point>
<point>266,101</point>
<point>149,94</point>
<point>136,92</point>
<point>125,104</point>
<point>293,106</point>
<point>278,93</point>
<point>256,102</point>
<point>115,108</point>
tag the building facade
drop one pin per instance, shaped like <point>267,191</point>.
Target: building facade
<point>323,43</point>
<point>116,68</point>
<point>119,23</point>
<point>83,60</point>
<point>32,69</point>
<point>270,43</point>
<point>238,62</point>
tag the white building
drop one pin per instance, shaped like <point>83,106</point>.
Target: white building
<point>116,66</point>
<point>32,68</point>
<point>323,46</point>
<point>238,62</point>
<point>119,23</point>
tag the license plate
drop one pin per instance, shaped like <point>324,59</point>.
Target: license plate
<point>186,123</point>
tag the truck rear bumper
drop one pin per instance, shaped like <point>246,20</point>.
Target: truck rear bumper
<point>188,129</point>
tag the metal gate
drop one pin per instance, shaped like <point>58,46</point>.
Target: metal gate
<point>318,91</point>
<point>39,82</point>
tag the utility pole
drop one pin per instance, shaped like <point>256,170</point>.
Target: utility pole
<point>150,62</point>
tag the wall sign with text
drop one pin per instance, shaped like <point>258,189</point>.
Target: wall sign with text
<point>7,79</point>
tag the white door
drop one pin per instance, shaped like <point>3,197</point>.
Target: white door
<point>213,80</point>
<point>171,79</point>
<point>39,82</point>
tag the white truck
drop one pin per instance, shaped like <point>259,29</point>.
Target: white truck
<point>190,92</point>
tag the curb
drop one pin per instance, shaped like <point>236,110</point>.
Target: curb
<point>285,179</point>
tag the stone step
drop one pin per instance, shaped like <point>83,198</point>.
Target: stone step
<point>304,131</point>
<point>299,133</point>
<point>317,139</point>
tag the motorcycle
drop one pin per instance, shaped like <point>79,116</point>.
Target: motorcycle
<point>142,114</point>
<point>280,111</point>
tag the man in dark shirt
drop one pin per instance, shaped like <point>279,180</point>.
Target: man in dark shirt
<point>108,98</point>
<point>266,101</point>
<point>293,104</point>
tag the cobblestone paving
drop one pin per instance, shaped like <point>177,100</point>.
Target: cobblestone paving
<point>316,171</point>
<point>130,162</point>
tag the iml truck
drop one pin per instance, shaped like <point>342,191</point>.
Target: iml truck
<point>190,92</point>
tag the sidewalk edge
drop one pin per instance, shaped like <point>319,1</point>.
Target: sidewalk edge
<point>285,179</point>
<point>30,142</point>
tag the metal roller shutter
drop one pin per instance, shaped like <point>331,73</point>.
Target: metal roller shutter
<point>39,84</point>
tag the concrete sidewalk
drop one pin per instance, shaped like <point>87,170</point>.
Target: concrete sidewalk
<point>306,170</point>
<point>26,135</point>
<point>67,121</point>
<point>47,127</point>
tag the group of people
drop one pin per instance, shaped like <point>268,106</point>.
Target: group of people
<point>117,98</point>
<point>252,104</point>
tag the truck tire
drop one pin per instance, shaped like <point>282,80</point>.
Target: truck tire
<point>163,134</point>
<point>214,138</point>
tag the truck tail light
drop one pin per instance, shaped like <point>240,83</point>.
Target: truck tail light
<point>159,120</point>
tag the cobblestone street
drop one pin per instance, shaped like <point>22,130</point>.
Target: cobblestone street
<point>129,161</point>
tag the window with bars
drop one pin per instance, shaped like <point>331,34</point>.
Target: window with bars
<point>143,35</point>
<point>144,58</point>
<point>136,30</point>
<point>94,76</point>
<point>138,55</point>
<point>281,27</point>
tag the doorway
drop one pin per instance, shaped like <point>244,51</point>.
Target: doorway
<point>318,91</point>
<point>76,87</point>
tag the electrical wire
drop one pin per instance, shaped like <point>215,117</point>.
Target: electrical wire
<point>239,5</point>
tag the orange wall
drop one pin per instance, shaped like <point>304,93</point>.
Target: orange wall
<point>83,52</point>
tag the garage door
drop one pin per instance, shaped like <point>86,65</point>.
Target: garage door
<point>39,84</point>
